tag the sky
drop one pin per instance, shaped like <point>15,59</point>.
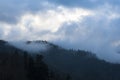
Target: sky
<point>92,25</point>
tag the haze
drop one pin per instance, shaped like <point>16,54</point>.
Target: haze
<point>92,25</point>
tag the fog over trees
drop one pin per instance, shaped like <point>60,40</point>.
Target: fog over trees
<point>56,63</point>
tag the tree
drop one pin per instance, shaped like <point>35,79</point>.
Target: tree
<point>68,77</point>
<point>38,70</point>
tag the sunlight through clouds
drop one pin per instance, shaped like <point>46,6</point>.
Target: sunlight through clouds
<point>51,20</point>
<point>92,29</point>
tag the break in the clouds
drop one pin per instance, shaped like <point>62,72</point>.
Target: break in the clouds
<point>80,24</point>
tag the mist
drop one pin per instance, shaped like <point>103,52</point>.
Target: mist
<point>94,29</point>
<point>98,33</point>
<point>30,47</point>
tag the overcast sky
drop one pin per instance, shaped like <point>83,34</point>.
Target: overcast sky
<point>92,25</point>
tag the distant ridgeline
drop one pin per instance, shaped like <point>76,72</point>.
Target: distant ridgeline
<point>56,63</point>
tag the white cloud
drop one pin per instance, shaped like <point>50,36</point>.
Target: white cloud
<point>51,19</point>
<point>93,30</point>
<point>32,47</point>
<point>95,33</point>
<point>48,21</point>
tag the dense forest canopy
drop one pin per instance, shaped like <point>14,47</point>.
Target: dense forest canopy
<point>54,64</point>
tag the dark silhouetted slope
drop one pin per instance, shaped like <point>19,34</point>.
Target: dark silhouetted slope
<point>54,63</point>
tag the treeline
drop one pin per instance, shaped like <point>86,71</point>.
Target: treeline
<point>19,65</point>
<point>54,64</point>
<point>82,65</point>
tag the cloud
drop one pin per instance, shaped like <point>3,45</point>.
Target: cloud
<point>33,47</point>
<point>80,24</point>
<point>11,10</point>
<point>40,24</point>
<point>95,33</point>
<point>89,4</point>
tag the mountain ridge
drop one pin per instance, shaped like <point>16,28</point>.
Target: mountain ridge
<point>79,64</point>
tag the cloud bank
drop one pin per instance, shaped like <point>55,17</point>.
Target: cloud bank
<point>42,24</point>
<point>31,47</point>
<point>80,24</point>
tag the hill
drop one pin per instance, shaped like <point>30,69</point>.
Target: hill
<point>52,63</point>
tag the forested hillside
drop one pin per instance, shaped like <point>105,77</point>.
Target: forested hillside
<point>56,63</point>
